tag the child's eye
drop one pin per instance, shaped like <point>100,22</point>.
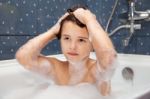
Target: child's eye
<point>82,40</point>
<point>66,38</point>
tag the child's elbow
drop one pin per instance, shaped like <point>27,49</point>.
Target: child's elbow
<point>112,62</point>
<point>113,56</point>
<point>20,57</point>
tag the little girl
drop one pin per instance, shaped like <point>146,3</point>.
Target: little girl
<point>79,33</point>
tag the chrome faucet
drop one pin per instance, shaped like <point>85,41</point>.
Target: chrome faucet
<point>131,26</point>
<point>131,15</point>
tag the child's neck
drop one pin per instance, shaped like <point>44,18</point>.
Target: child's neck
<point>77,71</point>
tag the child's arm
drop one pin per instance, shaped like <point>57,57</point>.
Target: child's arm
<point>29,54</point>
<point>105,52</point>
<point>100,40</point>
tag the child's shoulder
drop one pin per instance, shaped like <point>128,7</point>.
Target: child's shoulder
<point>57,63</point>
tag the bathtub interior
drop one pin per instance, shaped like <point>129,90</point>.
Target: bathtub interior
<point>18,83</point>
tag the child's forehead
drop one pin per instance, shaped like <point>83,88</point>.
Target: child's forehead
<point>69,25</point>
<point>71,28</point>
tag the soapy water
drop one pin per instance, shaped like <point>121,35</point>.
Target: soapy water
<point>36,87</point>
<point>48,91</point>
<point>43,89</point>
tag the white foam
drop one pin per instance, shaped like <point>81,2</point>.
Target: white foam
<point>26,92</point>
<point>82,91</point>
<point>42,91</point>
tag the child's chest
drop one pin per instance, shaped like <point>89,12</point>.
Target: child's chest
<point>64,77</point>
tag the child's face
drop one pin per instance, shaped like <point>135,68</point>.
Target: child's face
<point>75,42</point>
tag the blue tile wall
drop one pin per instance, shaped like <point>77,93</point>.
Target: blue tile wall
<point>21,20</point>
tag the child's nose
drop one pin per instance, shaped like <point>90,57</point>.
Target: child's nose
<point>73,45</point>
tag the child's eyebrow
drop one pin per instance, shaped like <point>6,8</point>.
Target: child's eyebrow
<point>65,35</point>
<point>82,37</point>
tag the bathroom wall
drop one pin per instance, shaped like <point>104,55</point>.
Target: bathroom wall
<point>21,20</point>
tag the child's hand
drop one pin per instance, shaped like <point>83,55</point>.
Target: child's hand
<point>84,15</point>
<point>56,27</point>
<point>105,88</point>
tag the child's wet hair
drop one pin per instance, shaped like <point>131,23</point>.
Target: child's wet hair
<point>72,9</point>
<point>71,18</point>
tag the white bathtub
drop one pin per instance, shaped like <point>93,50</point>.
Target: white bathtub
<point>18,83</point>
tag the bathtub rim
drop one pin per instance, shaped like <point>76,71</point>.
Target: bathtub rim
<point>122,57</point>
